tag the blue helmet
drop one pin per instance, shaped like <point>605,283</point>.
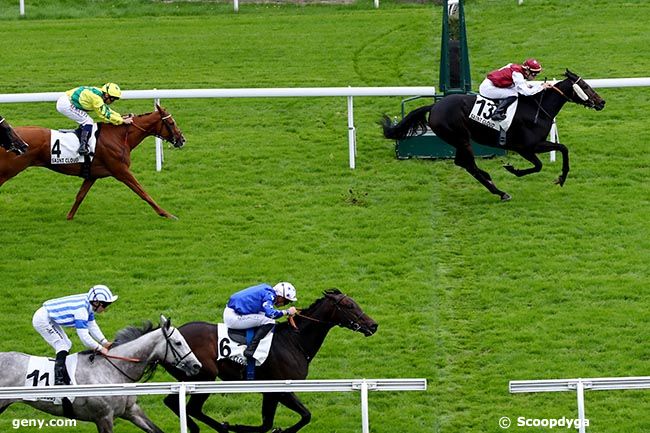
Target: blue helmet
<point>101,293</point>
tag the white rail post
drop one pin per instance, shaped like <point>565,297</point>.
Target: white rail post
<point>352,133</point>
<point>236,5</point>
<point>22,8</point>
<point>365,424</point>
<point>182,413</point>
<point>555,138</point>
<point>376,4</point>
<point>160,157</point>
<point>580,390</point>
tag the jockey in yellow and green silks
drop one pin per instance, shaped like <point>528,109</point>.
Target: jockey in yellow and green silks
<point>76,103</point>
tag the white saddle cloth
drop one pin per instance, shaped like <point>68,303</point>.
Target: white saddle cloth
<point>64,146</point>
<point>40,373</point>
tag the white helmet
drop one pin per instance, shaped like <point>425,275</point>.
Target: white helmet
<point>101,293</point>
<point>286,290</point>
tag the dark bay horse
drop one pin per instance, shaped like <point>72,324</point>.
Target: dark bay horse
<point>112,154</point>
<point>289,357</point>
<point>135,352</point>
<point>449,120</point>
<point>9,140</point>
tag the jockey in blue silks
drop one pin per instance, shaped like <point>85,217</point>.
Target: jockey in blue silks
<point>254,307</point>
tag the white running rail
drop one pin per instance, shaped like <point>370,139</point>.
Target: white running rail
<point>185,388</point>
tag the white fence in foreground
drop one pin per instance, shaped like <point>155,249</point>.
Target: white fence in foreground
<point>580,385</point>
<point>185,388</point>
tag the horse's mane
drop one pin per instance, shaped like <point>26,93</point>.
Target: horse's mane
<point>319,300</point>
<point>131,333</point>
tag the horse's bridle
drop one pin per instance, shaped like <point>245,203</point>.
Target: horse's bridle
<point>577,90</point>
<point>178,358</point>
<point>168,346</point>
<point>353,322</point>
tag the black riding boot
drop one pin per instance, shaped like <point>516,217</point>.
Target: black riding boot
<point>500,112</point>
<point>60,372</point>
<point>86,130</point>
<point>260,333</point>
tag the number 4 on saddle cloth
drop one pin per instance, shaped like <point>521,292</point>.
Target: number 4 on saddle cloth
<point>233,342</point>
<point>40,373</point>
<point>64,145</point>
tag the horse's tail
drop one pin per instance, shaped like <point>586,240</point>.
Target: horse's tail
<point>415,123</point>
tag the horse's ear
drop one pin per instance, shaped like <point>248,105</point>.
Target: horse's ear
<point>158,107</point>
<point>568,73</point>
<point>165,322</point>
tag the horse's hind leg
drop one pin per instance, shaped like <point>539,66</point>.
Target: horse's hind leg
<point>465,158</point>
<point>81,195</point>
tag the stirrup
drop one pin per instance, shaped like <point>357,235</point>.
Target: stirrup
<point>84,150</point>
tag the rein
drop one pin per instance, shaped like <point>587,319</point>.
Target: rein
<point>354,322</point>
<point>157,133</point>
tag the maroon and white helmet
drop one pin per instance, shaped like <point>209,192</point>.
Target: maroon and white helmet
<point>533,66</point>
<point>286,290</point>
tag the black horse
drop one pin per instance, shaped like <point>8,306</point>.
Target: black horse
<point>9,140</point>
<point>289,357</point>
<point>449,120</point>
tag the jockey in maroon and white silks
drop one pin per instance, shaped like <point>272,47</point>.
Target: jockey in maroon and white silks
<point>511,80</point>
<point>505,84</point>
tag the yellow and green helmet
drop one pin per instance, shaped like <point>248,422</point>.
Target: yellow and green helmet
<point>112,90</point>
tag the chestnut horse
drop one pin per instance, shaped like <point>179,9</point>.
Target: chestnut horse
<point>112,154</point>
<point>9,140</point>
<point>291,352</point>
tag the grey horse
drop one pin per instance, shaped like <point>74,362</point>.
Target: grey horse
<point>135,352</point>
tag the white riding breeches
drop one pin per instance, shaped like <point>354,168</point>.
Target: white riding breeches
<point>489,90</point>
<point>235,321</point>
<point>65,107</point>
<point>50,331</point>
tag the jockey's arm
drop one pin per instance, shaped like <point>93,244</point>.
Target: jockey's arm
<point>96,333</point>
<point>269,311</point>
<point>85,337</point>
<point>524,87</point>
<point>103,111</point>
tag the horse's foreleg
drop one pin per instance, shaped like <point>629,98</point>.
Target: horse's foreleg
<point>195,409</point>
<point>269,407</point>
<point>81,195</point>
<point>136,415</point>
<point>464,158</point>
<point>532,158</point>
<point>548,146</point>
<point>292,402</point>
<point>171,401</point>
<point>129,180</point>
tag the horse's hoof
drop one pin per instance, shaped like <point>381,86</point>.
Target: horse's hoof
<point>560,181</point>
<point>505,197</point>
